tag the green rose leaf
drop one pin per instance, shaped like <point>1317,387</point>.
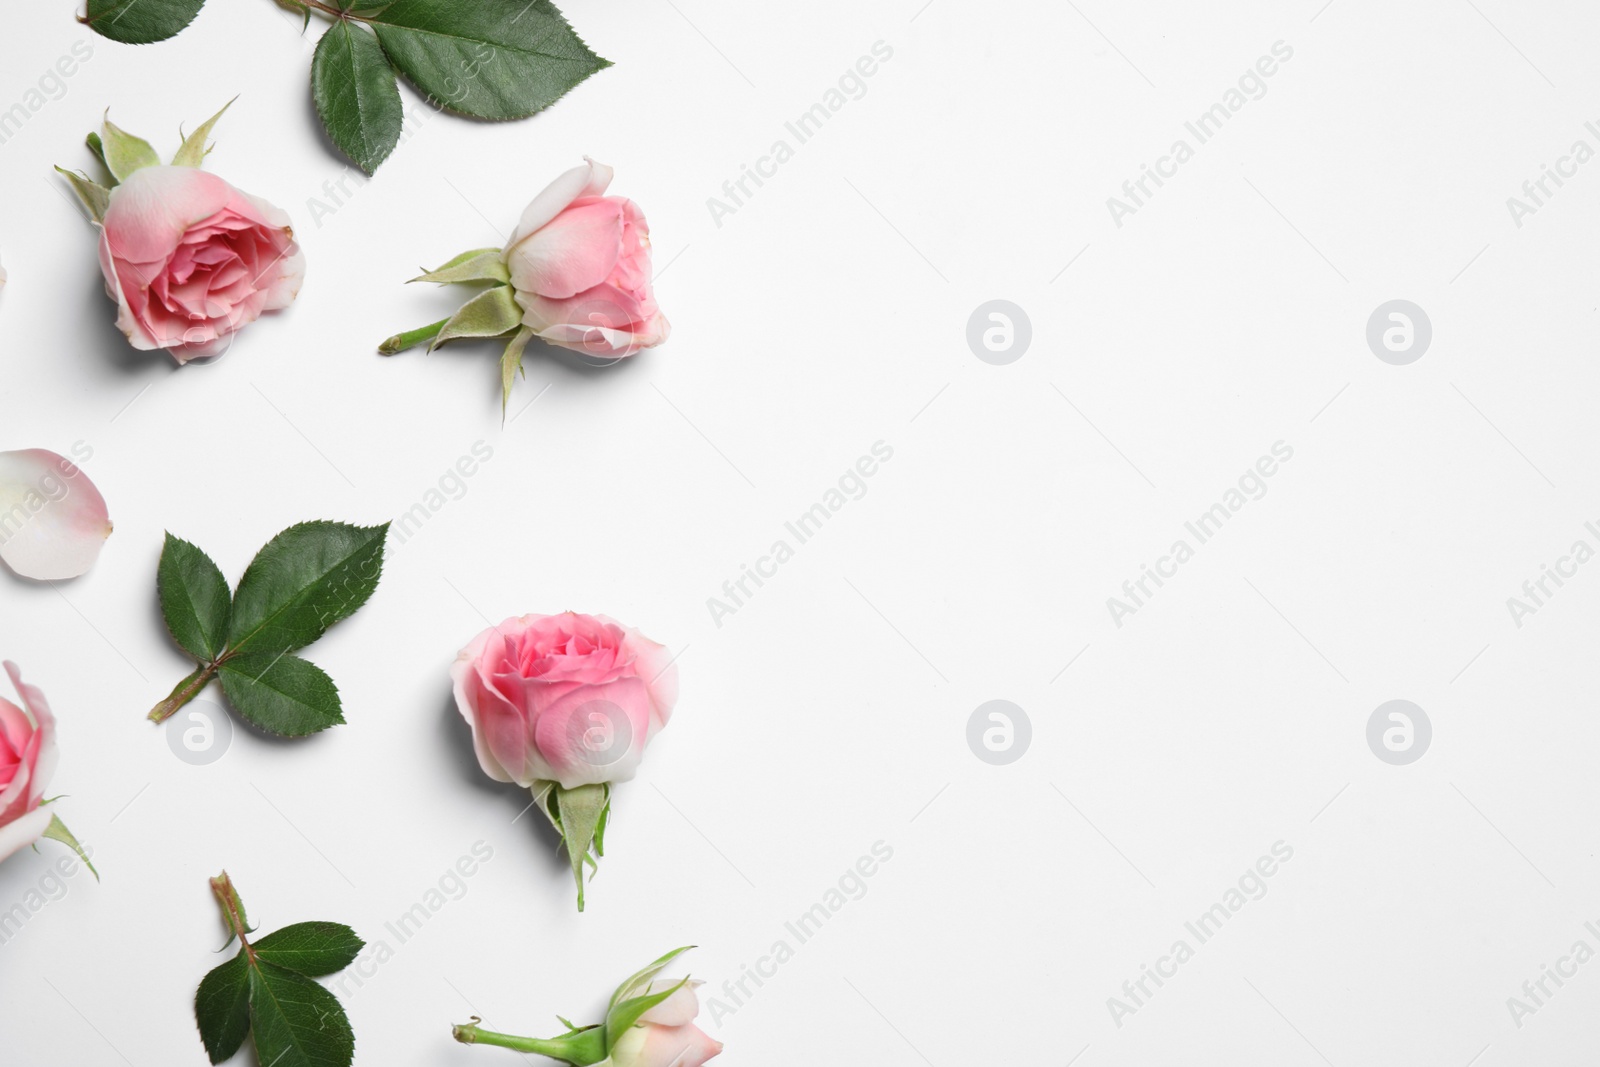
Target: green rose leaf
<point>311,949</point>
<point>266,992</point>
<point>356,94</point>
<point>222,1008</point>
<point>194,599</point>
<point>139,21</point>
<point>302,582</point>
<point>493,59</point>
<point>280,693</point>
<point>294,1022</point>
<point>305,580</point>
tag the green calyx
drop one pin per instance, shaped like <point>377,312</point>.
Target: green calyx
<point>579,815</point>
<point>494,312</point>
<point>121,153</point>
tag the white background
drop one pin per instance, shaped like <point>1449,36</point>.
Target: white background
<point>829,312</point>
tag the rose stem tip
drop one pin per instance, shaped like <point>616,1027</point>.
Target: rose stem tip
<point>411,338</point>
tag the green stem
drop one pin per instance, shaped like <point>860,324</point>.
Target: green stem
<point>331,12</point>
<point>572,1049</point>
<point>183,692</point>
<point>411,338</point>
<point>232,909</point>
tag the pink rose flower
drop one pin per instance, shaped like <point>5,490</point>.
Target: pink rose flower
<point>27,759</point>
<point>571,699</point>
<point>666,1035</point>
<point>580,265</point>
<point>190,260</point>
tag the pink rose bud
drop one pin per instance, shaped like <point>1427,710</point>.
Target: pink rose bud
<point>564,705</point>
<point>53,520</point>
<point>666,1035</point>
<point>580,264</point>
<point>576,273</point>
<point>27,760</point>
<point>649,1023</point>
<point>189,259</point>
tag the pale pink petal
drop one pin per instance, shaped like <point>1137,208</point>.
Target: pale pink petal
<point>15,725</point>
<point>286,277</point>
<point>561,733</point>
<point>482,709</point>
<point>678,1009</point>
<point>664,1046</point>
<point>23,831</point>
<point>656,667</point>
<point>577,250</point>
<point>127,321</point>
<point>53,520</point>
<point>591,179</point>
<point>151,211</point>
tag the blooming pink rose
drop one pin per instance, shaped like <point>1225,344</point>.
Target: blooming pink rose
<point>27,759</point>
<point>190,260</point>
<point>580,264</point>
<point>571,699</point>
<point>666,1035</point>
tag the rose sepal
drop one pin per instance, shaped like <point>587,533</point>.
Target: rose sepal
<point>579,815</point>
<point>194,150</point>
<point>57,831</point>
<point>123,153</point>
<point>474,265</point>
<point>94,197</point>
<point>492,313</point>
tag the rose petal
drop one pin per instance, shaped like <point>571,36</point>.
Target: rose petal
<point>664,1046</point>
<point>591,179</point>
<point>677,1010</point>
<point>53,520</point>
<point>150,212</point>
<point>41,749</point>
<point>577,250</point>
<point>23,831</point>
